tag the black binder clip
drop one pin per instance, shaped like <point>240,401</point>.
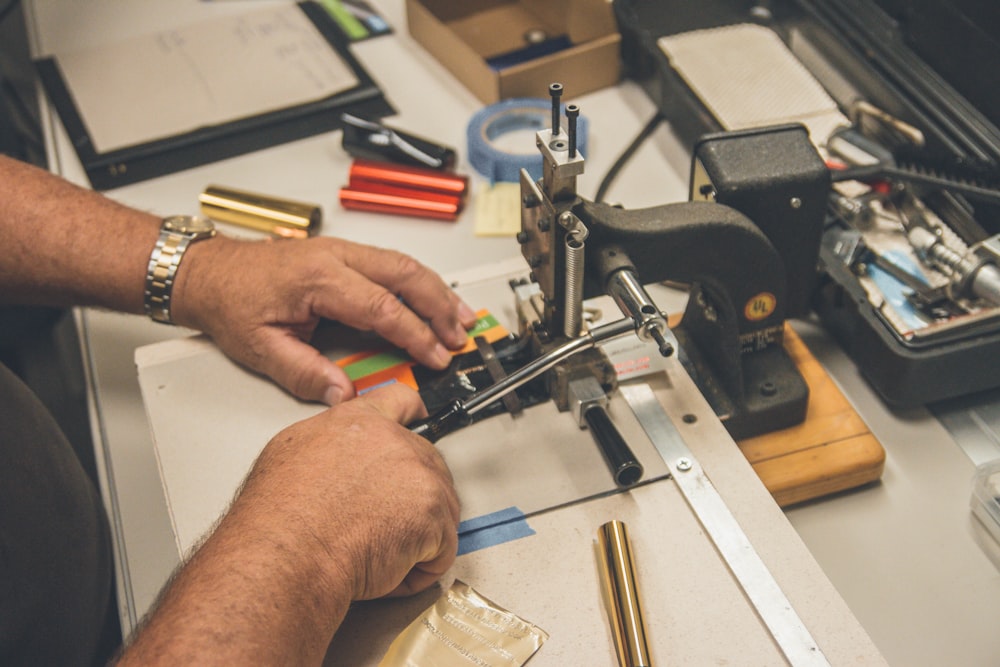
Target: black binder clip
<point>370,140</point>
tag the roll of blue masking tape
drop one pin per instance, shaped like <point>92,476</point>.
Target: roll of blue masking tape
<point>521,114</point>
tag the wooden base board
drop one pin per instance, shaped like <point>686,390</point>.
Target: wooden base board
<point>832,450</point>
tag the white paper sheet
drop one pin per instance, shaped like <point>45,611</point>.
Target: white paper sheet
<point>175,81</point>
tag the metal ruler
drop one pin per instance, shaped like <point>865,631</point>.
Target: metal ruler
<point>774,609</point>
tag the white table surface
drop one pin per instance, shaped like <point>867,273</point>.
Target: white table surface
<point>902,553</point>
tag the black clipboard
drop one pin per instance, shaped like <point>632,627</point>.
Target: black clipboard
<point>143,161</point>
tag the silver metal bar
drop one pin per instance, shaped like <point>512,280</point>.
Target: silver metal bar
<point>627,291</point>
<point>497,373</point>
<point>773,607</point>
<point>533,369</point>
<point>458,413</point>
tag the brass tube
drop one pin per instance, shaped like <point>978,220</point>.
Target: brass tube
<point>281,217</point>
<point>624,613</point>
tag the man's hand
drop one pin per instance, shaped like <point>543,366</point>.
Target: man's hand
<point>379,497</point>
<point>347,505</point>
<point>261,302</point>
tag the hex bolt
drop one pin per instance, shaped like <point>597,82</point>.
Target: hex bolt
<point>535,36</point>
<point>555,92</point>
<point>572,113</point>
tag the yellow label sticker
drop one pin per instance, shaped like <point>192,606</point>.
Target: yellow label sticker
<point>760,306</point>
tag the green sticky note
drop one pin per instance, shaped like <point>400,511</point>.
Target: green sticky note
<point>351,26</point>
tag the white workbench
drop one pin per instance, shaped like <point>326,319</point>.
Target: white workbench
<point>903,553</point>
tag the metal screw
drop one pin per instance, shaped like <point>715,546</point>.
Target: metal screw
<point>761,13</point>
<point>535,36</point>
<point>572,113</point>
<point>795,202</point>
<point>555,92</point>
<point>684,464</point>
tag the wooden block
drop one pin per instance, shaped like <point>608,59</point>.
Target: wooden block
<point>818,471</point>
<point>832,450</point>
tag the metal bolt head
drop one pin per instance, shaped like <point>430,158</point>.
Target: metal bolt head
<point>535,36</point>
<point>795,202</point>
<point>684,464</point>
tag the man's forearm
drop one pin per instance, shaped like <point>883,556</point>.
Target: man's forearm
<point>64,245</point>
<point>253,594</point>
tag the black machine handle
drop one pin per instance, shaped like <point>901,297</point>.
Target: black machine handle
<point>625,468</point>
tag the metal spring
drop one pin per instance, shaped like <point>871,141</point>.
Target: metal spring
<point>572,318</point>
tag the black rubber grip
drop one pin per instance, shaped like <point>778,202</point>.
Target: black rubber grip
<point>625,468</point>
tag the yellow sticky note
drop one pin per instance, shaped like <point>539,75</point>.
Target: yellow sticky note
<point>498,209</point>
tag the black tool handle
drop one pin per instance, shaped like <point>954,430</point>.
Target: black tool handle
<point>450,418</point>
<point>625,468</point>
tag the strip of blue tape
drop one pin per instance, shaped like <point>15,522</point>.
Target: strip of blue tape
<point>491,529</point>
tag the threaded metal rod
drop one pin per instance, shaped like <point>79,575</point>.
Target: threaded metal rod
<point>555,92</point>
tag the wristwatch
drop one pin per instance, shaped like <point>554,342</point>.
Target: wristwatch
<point>177,233</point>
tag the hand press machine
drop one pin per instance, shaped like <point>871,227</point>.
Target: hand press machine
<point>745,245</point>
<point>731,333</point>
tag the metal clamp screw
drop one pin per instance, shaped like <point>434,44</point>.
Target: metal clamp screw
<point>684,464</point>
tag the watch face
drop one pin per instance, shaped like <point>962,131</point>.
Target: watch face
<point>189,224</point>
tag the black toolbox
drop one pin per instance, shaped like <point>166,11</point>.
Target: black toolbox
<point>924,65</point>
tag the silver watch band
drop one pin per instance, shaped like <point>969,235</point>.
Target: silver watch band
<point>163,263</point>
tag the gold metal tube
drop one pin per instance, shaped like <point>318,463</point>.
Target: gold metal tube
<point>624,612</point>
<point>281,217</point>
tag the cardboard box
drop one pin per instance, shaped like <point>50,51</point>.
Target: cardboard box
<point>465,35</point>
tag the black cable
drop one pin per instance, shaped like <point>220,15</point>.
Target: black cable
<point>8,9</point>
<point>644,133</point>
<point>918,176</point>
